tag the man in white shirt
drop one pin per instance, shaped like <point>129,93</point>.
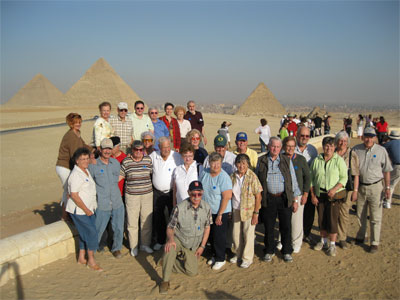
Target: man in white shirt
<point>164,163</point>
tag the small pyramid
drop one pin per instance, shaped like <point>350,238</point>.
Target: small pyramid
<point>39,91</point>
<point>260,102</point>
<point>100,83</point>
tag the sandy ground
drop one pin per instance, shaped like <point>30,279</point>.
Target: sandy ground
<point>31,190</point>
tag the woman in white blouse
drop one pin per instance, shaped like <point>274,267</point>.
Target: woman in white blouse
<point>81,206</point>
<point>184,125</point>
<point>184,174</point>
<point>265,134</point>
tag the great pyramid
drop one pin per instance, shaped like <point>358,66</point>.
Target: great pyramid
<point>39,91</point>
<point>100,83</point>
<point>321,112</point>
<point>260,102</point>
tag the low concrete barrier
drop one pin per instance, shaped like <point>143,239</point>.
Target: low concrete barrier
<point>24,252</point>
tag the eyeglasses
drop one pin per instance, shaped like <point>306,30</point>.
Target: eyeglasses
<point>148,140</point>
<point>125,110</point>
<point>196,138</point>
<point>304,135</point>
<point>138,150</point>
<point>139,108</point>
<point>154,113</point>
<point>199,194</point>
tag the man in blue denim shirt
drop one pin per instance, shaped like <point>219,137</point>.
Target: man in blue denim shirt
<point>105,173</point>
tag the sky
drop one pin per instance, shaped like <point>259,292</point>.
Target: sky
<point>306,52</point>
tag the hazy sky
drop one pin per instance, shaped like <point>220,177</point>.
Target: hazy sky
<point>305,51</point>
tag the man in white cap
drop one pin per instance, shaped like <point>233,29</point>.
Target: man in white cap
<point>375,167</point>
<point>123,126</point>
<point>393,149</point>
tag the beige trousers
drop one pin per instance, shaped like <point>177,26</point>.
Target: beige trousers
<point>139,208</point>
<point>370,196</point>
<point>181,260</point>
<point>297,227</point>
<point>243,235</point>
<point>344,217</point>
<point>394,180</point>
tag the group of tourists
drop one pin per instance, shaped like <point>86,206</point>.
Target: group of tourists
<point>166,187</point>
<point>379,124</point>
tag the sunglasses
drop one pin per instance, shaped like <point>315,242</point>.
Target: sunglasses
<point>138,150</point>
<point>148,140</point>
<point>304,135</point>
<point>154,113</point>
<point>195,138</point>
<point>139,108</point>
<point>198,194</point>
<point>125,110</point>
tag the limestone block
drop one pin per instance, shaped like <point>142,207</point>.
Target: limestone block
<point>57,232</point>
<point>4,274</point>
<point>52,253</point>
<point>29,241</point>
<point>8,250</point>
<point>23,265</point>
<point>71,245</point>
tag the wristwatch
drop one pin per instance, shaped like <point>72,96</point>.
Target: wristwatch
<point>296,201</point>
<point>256,212</point>
<point>388,187</point>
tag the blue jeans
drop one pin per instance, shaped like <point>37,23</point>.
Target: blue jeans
<point>263,146</point>
<point>86,227</point>
<point>117,223</point>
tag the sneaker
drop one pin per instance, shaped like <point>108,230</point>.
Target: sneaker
<point>320,245</point>
<point>296,250</point>
<point>164,287</point>
<point>387,204</point>
<point>268,257</point>
<point>134,252</point>
<point>157,247</point>
<point>343,245</point>
<point>146,249</point>
<point>308,240</point>
<point>359,241</point>
<point>279,246</point>
<point>331,251</point>
<point>233,260</point>
<point>245,264</point>
<point>211,261</point>
<point>287,258</point>
<point>373,249</point>
<point>218,265</point>
<point>117,254</point>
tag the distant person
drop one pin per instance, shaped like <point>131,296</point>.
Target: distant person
<point>242,148</point>
<point>284,118</point>
<point>186,244</point>
<point>360,126</point>
<point>264,132</point>
<point>375,168</point>
<point>194,138</point>
<point>81,206</point>
<point>292,126</point>
<point>393,149</point>
<point>381,128</point>
<point>140,121</point>
<point>184,125</point>
<point>102,128</point>
<point>148,140</point>
<point>196,120</point>
<point>122,126</point>
<point>160,129</point>
<point>224,130</point>
<point>347,125</point>
<point>136,170</point>
<point>70,142</point>
<point>172,125</point>
<point>327,124</point>
<point>284,130</point>
<point>318,125</point>
<point>109,201</point>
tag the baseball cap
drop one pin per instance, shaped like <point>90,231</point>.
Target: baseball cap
<point>123,105</point>
<point>369,132</point>
<point>106,143</point>
<point>220,141</point>
<point>241,136</point>
<point>195,186</point>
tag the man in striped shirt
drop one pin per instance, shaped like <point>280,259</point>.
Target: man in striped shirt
<point>122,126</point>
<point>137,170</point>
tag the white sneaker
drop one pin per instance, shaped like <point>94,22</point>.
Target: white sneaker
<point>211,261</point>
<point>134,252</point>
<point>386,204</point>
<point>233,260</point>
<point>218,265</point>
<point>279,246</point>
<point>157,247</point>
<point>296,250</point>
<point>245,264</point>
<point>146,249</point>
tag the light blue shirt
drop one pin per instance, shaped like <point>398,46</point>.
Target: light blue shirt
<point>213,188</point>
<point>275,180</point>
<point>160,129</point>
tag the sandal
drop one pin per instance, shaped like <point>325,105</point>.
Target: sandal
<point>95,268</point>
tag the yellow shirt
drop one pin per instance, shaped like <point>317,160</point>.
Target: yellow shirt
<point>252,154</point>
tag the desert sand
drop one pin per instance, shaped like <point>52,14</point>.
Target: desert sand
<point>30,195</point>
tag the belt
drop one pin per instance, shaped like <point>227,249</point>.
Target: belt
<point>276,195</point>
<point>371,183</point>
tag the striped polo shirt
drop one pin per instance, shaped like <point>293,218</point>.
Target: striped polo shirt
<point>137,175</point>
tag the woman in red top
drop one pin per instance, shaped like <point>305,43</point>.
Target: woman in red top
<point>172,125</point>
<point>381,128</point>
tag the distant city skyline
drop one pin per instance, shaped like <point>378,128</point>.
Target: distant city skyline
<point>306,52</point>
